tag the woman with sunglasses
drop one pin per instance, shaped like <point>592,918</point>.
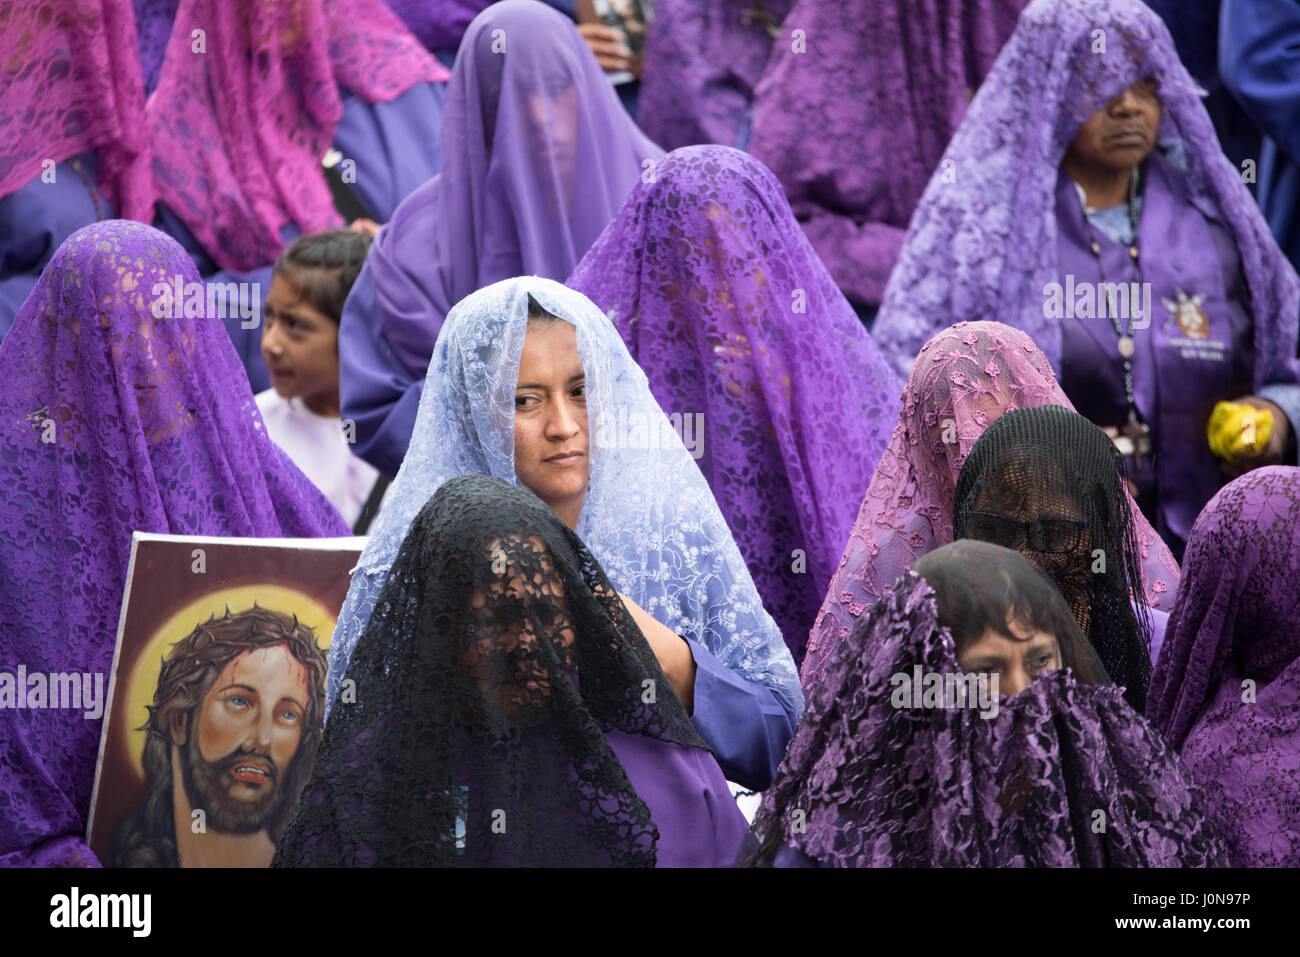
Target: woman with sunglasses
<point>1045,482</point>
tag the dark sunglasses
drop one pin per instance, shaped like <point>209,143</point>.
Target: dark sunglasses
<point>1052,536</point>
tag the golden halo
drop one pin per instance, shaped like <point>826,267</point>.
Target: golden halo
<point>143,681</point>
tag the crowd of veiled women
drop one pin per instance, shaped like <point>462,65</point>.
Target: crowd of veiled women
<point>833,351</point>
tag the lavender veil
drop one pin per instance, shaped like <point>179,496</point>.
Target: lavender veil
<point>869,783</point>
<point>854,111</point>
<point>1227,684</point>
<point>983,241</point>
<point>963,379</point>
<point>113,421</point>
<point>741,330</point>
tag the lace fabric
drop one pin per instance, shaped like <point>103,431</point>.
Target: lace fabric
<point>114,421</point>
<point>648,517</point>
<point>703,59</point>
<point>853,114</point>
<point>983,240</point>
<point>263,100</point>
<point>963,379</point>
<point>741,330</point>
<point>1063,775</point>
<point>497,657</point>
<point>1055,471</point>
<point>1235,622</point>
<point>69,82</point>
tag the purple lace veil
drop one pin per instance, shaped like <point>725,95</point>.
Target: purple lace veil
<point>741,330</point>
<point>871,779</point>
<point>703,59</point>
<point>963,379</point>
<point>71,82</point>
<point>262,103</point>
<point>538,156</point>
<point>114,421</point>
<point>983,241</point>
<point>1235,622</point>
<point>853,115</point>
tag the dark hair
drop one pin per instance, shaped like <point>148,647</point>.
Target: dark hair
<point>539,313</point>
<point>323,267</point>
<point>979,586</point>
<point>146,837</point>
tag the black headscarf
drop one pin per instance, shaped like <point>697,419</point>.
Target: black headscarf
<point>1054,470</point>
<point>473,729</point>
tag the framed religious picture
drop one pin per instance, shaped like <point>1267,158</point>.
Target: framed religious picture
<point>216,698</point>
<point>630,17</point>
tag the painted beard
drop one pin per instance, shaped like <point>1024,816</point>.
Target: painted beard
<point>208,785</point>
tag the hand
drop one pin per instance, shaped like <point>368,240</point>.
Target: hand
<point>611,49</point>
<point>366,226</point>
<point>673,652</point>
<point>1273,454</point>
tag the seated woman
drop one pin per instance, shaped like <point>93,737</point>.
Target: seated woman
<point>1225,688</point>
<point>1089,204</point>
<point>521,370</point>
<point>1057,772</point>
<point>781,394</point>
<point>117,417</point>
<point>74,150</point>
<point>300,343</point>
<point>1046,482</point>
<point>532,725</point>
<point>345,74</point>
<point>963,380</point>
<point>543,157</point>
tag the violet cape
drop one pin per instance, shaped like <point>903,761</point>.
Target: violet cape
<point>538,155</point>
<point>853,113</point>
<point>113,423</point>
<point>1227,682</point>
<point>995,238</point>
<point>780,393</point>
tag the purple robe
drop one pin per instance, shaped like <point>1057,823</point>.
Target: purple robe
<point>780,393</point>
<point>1226,688</point>
<point>538,155</point>
<point>853,113</point>
<point>111,426</point>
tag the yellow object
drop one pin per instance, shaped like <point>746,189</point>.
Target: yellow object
<point>1239,432</point>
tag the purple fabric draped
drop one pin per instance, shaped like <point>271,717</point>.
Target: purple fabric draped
<point>113,422</point>
<point>703,59</point>
<point>886,786</point>
<point>963,379</point>
<point>237,148</point>
<point>1236,621</point>
<point>983,241</point>
<point>438,24</point>
<point>70,82</point>
<point>741,330</point>
<point>537,157</point>
<point>854,113</point>
<point>153,24</point>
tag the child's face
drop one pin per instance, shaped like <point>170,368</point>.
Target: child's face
<point>300,347</point>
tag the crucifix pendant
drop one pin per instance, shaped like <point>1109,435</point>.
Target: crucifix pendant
<point>1139,435</point>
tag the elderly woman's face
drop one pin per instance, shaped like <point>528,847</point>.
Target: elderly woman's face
<point>1123,132</point>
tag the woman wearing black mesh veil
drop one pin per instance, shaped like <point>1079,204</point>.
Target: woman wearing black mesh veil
<point>503,709</point>
<point>1045,481</point>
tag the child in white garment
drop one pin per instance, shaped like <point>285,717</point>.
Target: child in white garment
<point>300,345</point>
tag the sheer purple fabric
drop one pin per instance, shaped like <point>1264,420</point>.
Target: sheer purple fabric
<point>70,82</point>
<point>703,59</point>
<point>868,783</point>
<point>1235,622</point>
<point>538,156</point>
<point>153,25</point>
<point>854,114</point>
<point>963,379</point>
<point>983,241</point>
<point>113,422</point>
<point>741,330</point>
<point>239,126</point>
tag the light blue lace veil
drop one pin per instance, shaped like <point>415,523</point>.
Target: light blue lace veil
<point>649,516</point>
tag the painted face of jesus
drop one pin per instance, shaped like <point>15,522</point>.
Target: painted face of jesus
<point>249,728</point>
